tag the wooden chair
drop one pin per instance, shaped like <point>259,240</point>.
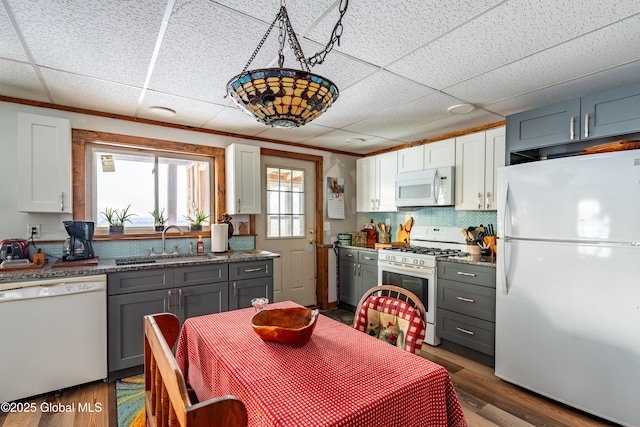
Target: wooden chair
<point>386,299</point>
<point>167,400</point>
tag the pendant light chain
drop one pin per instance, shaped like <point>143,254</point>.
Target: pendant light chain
<point>286,29</point>
<point>318,58</point>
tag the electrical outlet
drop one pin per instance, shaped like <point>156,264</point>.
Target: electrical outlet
<point>33,230</point>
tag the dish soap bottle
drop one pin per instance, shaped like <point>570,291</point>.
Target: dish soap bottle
<point>200,245</point>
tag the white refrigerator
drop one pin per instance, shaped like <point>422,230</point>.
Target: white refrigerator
<point>568,281</point>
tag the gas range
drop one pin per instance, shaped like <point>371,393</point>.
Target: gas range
<point>427,244</point>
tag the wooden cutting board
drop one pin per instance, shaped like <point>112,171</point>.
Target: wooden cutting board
<point>79,263</point>
<point>21,267</point>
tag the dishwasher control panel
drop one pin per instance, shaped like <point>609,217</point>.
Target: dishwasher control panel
<point>52,288</point>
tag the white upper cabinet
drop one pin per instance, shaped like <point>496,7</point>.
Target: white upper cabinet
<point>44,159</point>
<point>478,155</point>
<point>376,177</point>
<point>433,155</point>
<point>440,154</point>
<point>243,179</point>
<point>411,159</point>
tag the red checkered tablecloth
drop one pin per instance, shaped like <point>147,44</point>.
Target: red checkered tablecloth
<point>342,377</point>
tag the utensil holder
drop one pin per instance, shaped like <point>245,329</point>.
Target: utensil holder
<point>384,237</point>
<point>473,249</point>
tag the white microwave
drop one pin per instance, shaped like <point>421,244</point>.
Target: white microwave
<point>430,187</point>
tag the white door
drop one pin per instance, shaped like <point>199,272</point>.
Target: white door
<point>287,224</point>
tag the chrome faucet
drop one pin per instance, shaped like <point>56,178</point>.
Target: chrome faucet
<point>164,236</point>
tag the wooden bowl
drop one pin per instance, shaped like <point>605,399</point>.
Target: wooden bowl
<point>291,326</point>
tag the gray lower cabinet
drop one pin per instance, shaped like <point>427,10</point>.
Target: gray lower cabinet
<point>249,280</point>
<point>184,291</point>
<point>466,310</point>
<point>357,272</point>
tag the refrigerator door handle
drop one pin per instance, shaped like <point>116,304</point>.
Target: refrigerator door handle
<point>502,231</point>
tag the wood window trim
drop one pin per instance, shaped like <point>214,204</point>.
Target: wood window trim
<point>79,140</point>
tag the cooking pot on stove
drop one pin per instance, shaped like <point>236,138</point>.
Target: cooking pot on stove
<point>14,249</point>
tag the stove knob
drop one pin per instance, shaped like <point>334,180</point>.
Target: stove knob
<point>415,261</point>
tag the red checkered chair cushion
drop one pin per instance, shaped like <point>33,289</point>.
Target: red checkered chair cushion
<point>393,321</point>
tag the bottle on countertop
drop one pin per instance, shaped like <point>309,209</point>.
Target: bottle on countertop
<point>200,245</point>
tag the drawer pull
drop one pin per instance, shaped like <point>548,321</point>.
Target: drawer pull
<point>251,270</point>
<point>465,299</point>
<point>368,257</point>
<point>465,331</point>
<point>462,273</point>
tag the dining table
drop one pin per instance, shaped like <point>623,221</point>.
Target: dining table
<point>341,377</point>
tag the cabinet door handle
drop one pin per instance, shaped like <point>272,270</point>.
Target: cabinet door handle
<point>62,202</point>
<point>235,291</point>
<point>179,298</point>
<point>359,270</point>
<point>465,299</point>
<point>169,300</point>
<point>572,124</point>
<point>354,269</point>
<point>465,331</point>
<point>238,204</point>
<point>479,200</point>
<point>251,270</point>
<point>488,204</point>
<point>586,125</point>
<point>462,273</point>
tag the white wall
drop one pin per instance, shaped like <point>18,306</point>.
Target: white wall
<point>13,224</point>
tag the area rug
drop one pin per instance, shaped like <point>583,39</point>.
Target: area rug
<point>130,399</point>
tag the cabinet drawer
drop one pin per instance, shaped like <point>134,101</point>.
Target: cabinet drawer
<point>347,254</point>
<point>201,275</point>
<point>467,331</point>
<point>368,257</point>
<point>251,269</point>
<point>138,281</point>
<point>473,300</point>
<point>467,273</point>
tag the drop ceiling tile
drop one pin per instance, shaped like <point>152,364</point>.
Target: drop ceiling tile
<point>11,47</point>
<point>378,92</point>
<point>110,40</point>
<point>204,47</point>
<point>594,52</point>
<point>381,32</point>
<point>231,119</point>
<point>397,122</point>
<point>19,80</point>
<point>299,135</point>
<point>93,94</point>
<point>597,82</point>
<point>451,123</point>
<point>189,112</point>
<point>509,32</point>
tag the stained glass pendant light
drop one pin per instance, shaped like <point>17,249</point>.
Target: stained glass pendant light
<point>285,97</point>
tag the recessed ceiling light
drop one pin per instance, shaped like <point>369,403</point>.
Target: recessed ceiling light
<point>162,111</point>
<point>354,140</point>
<point>461,108</point>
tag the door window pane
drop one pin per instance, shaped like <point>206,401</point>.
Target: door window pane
<point>285,202</point>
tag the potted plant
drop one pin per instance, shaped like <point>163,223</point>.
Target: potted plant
<point>195,221</point>
<point>158,219</point>
<point>117,218</point>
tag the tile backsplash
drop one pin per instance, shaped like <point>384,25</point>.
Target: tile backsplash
<point>446,216</point>
<point>129,248</point>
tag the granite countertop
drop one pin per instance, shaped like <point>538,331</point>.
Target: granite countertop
<point>488,261</point>
<point>108,265</point>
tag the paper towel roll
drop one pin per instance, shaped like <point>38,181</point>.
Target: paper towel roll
<point>219,237</point>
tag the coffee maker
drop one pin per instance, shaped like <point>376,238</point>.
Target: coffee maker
<point>78,245</point>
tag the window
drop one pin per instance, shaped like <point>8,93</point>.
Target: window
<point>285,202</point>
<point>147,180</point>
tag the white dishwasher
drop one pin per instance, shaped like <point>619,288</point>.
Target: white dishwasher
<point>53,334</point>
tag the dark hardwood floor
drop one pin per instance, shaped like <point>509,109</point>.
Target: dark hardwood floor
<point>486,400</point>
